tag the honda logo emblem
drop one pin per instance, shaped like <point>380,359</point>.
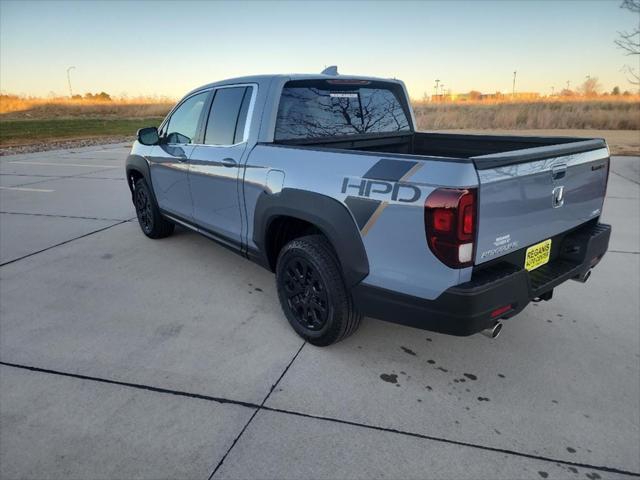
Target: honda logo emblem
<point>558,196</point>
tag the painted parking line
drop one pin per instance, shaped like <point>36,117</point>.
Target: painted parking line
<point>63,164</point>
<point>23,189</point>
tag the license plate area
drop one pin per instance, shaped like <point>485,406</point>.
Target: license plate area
<point>537,255</point>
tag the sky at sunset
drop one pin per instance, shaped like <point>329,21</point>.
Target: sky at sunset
<point>168,48</point>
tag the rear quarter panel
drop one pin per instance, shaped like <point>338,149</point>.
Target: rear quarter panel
<point>385,196</point>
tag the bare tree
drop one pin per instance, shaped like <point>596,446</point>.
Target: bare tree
<point>630,41</point>
<point>313,112</point>
<point>590,87</point>
<point>475,95</point>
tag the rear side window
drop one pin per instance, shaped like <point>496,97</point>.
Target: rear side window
<point>316,109</point>
<point>181,127</point>
<point>228,116</point>
<point>242,117</point>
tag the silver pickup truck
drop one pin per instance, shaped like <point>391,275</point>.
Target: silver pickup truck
<point>324,180</point>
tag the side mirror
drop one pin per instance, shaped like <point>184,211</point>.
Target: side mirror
<point>148,136</point>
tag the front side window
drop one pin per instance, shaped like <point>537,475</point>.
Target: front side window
<point>319,108</point>
<point>228,115</point>
<point>181,127</point>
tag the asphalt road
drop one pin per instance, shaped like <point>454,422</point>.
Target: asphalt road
<point>124,357</point>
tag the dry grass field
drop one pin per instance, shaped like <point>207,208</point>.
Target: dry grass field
<point>29,124</point>
<point>602,113</point>
<point>42,122</point>
<point>616,119</point>
<point>13,107</point>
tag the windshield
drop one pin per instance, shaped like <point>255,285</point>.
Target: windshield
<point>317,109</point>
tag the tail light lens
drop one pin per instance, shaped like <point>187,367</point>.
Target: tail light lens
<point>450,225</point>
<point>606,180</point>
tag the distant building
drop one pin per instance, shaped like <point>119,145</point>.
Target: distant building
<point>475,96</point>
<point>526,96</point>
<point>492,96</point>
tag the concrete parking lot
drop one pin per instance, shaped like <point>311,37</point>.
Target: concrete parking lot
<point>124,357</point>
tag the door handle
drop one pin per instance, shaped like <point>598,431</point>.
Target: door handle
<point>229,162</point>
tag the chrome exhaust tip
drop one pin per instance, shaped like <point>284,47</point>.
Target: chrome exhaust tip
<point>584,277</point>
<point>493,332</point>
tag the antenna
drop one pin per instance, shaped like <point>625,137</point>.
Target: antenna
<point>332,70</point>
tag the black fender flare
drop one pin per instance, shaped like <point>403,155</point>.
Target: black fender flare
<point>138,164</point>
<point>329,215</point>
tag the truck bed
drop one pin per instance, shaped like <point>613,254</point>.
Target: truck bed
<point>486,151</point>
<point>522,181</point>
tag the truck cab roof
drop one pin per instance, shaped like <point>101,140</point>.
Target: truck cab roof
<point>282,78</point>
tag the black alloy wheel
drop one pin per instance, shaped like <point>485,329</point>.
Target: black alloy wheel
<point>312,291</point>
<point>152,222</point>
<point>144,210</point>
<point>306,293</point>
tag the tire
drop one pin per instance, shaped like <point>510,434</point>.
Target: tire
<point>151,221</point>
<point>312,292</point>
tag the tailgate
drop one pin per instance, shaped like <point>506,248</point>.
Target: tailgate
<point>523,200</point>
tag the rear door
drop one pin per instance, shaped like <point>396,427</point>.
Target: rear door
<point>168,161</point>
<point>214,167</point>
<point>523,203</point>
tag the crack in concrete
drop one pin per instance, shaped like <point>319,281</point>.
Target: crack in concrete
<point>61,177</point>
<point>625,177</point>
<point>63,216</point>
<point>261,406</point>
<point>65,242</point>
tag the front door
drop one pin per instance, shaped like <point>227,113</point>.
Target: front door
<point>214,167</point>
<point>169,161</point>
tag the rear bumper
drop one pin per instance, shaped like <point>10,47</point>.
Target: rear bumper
<point>467,308</point>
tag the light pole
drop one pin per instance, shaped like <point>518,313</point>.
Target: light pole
<point>437,82</point>
<point>513,89</point>
<point>69,81</point>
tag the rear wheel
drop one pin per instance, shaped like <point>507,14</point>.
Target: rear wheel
<point>312,292</point>
<point>151,221</point>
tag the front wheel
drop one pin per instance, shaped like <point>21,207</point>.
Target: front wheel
<point>151,221</point>
<point>312,292</point>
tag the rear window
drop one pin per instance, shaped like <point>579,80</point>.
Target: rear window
<point>317,109</point>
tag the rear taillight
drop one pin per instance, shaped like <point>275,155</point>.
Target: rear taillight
<point>450,225</point>
<point>606,179</point>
